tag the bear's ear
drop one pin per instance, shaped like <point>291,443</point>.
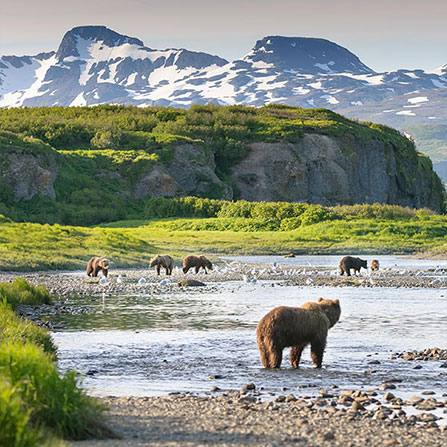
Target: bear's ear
<point>337,301</point>
<point>320,299</point>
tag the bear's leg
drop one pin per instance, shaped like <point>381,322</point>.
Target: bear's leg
<point>197,269</point>
<point>89,270</point>
<point>263,352</point>
<point>105,272</point>
<point>275,356</point>
<point>96,271</point>
<point>341,271</point>
<point>348,272</point>
<point>158,269</point>
<point>185,270</point>
<point>316,352</point>
<point>295,354</point>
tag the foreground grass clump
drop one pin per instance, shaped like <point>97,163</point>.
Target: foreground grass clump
<point>21,292</point>
<point>54,401</point>
<point>16,430</point>
<point>14,329</point>
<point>37,402</point>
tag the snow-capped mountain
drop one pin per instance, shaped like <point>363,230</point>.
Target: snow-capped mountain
<point>95,65</point>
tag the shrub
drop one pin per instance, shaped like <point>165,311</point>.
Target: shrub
<point>15,430</point>
<point>21,292</point>
<point>52,400</point>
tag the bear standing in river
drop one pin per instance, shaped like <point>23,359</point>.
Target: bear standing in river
<point>296,327</point>
<point>96,264</point>
<point>164,261</point>
<point>348,263</point>
<point>198,262</point>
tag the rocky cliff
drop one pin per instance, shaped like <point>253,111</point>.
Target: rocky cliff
<point>318,169</point>
<point>336,170</point>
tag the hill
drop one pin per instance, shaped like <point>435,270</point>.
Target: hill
<point>85,165</point>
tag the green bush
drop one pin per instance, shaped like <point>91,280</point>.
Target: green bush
<point>21,292</point>
<point>54,401</point>
<point>15,427</point>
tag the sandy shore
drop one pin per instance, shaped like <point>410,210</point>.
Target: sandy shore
<point>241,420</point>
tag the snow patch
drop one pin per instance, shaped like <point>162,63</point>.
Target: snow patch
<point>406,112</point>
<point>330,99</point>
<point>79,101</point>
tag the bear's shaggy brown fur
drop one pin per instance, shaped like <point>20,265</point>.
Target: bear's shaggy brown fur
<point>190,283</point>
<point>349,262</point>
<point>164,261</point>
<point>375,265</point>
<point>296,327</point>
<point>96,264</point>
<point>198,262</point>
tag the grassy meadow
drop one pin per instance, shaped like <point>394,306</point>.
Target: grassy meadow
<point>236,228</point>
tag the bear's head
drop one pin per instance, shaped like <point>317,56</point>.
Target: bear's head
<point>154,261</point>
<point>105,263</point>
<point>206,263</point>
<point>331,308</point>
<point>363,263</point>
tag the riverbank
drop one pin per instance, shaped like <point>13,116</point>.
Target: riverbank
<point>240,419</point>
<point>65,284</point>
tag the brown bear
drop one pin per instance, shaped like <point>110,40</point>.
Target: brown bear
<point>375,265</point>
<point>198,262</point>
<point>296,327</point>
<point>164,261</point>
<point>96,264</point>
<point>190,283</point>
<point>349,262</point>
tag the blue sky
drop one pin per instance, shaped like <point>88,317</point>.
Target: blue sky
<point>385,34</point>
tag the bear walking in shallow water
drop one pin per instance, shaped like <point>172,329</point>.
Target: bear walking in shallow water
<point>164,261</point>
<point>296,327</point>
<point>349,262</point>
<point>197,262</point>
<point>96,264</point>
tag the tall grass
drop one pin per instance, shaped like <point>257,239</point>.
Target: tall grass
<point>15,427</point>
<point>37,402</point>
<point>21,292</point>
<point>13,328</point>
<point>53,400</point>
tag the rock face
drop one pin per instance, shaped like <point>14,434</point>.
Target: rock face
<point>317,169</point>
<point>28,175</point>
<point>329,170</point>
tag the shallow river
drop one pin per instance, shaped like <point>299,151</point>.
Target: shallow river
<point>154,344</point>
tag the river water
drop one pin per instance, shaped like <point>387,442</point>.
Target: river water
<point>177,341</point>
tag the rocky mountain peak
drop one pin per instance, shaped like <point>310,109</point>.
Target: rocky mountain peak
<point>305,55</point>
<point>69,44</point>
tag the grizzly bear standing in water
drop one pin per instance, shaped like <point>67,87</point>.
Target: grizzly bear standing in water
<point>96,264</point>
<point>296,327</point>
<point>164,261</point>
<point>196,261</point>
<point>348,263</point>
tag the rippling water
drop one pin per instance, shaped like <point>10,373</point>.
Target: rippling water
<point>154,344</point>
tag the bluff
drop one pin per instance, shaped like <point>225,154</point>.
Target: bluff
<point>90,165</point>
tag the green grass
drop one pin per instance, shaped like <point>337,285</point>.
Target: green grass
<point>27,247</point>
<point>21,292</point>
<point>53,400</point>
<point>14,329</point>
<point>38,404</point>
